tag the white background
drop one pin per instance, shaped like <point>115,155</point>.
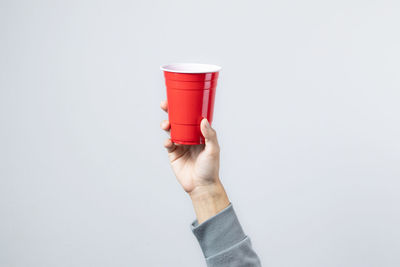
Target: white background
<point>307,113</point>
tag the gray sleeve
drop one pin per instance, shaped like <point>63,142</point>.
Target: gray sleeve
<point>223,241</point>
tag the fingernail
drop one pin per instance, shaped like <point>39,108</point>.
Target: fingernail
<point>207,124</point>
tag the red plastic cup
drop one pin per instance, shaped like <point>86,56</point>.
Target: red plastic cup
<point>190,94</point>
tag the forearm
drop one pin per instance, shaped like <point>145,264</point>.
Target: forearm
<point>223,241</point>
<point>218,230</point>
<point>209,200</point>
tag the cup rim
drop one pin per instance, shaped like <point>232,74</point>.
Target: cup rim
<point>190,68</point>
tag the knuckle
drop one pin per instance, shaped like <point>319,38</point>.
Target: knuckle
<point>213,133</point>
<point>214,150</point>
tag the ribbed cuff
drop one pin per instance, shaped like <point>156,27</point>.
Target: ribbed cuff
<point>219,232</point>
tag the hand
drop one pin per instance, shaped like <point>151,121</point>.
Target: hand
<point>197,169</point>
<point>195,166</point>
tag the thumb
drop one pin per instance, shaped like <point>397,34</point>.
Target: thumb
<point>210,136</point>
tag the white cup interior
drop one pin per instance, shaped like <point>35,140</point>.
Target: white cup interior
<point>190,68</point>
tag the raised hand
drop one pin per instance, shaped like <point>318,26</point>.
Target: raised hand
<point>197,169</point>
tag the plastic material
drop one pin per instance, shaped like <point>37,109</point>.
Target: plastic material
<point>190,99</point>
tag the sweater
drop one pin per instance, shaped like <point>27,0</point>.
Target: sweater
<point>223,241</point>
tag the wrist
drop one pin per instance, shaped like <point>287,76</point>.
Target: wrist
<point>208,200</point>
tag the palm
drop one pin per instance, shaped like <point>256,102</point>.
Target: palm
<point>194,166</point>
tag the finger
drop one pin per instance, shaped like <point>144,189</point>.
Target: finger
<point>164,105</point>
<point>169,145</point>
<point>210,136</point>
<point>165,125</point>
